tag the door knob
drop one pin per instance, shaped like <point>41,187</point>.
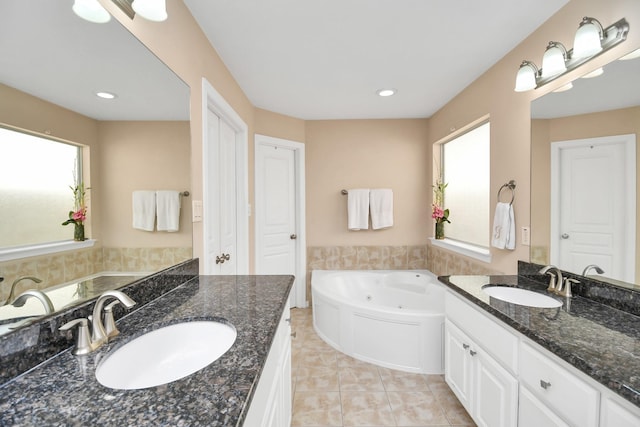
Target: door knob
<point>219,260</point>
<point>565,236</point>
<point>293,236</point>
<point>227,257</point>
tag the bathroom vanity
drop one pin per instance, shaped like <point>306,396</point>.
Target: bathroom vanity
<point>511,364</point>
<point>250,382</point>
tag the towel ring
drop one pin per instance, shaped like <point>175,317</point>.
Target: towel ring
<point>511,185</point>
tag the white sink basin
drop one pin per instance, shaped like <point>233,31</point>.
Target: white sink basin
<point>521,297</point>
<point>165,355</point>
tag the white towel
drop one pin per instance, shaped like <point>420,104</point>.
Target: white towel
<point>381,205</point>
<point>358,209</point>
<point>503,233</point>
<point>168,210</point>
<point>144,210</point>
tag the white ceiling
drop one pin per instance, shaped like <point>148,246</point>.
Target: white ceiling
<point>49,52</point>
<point>325,59</point>
<point>309,59</point>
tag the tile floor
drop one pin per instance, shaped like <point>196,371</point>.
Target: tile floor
<point>332,389</point>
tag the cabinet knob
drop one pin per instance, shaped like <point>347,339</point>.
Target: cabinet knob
<point>465,346</point>
<point>544,384</point>
<point>473,353</point>
<point>288,320</point>
<point>293,335</point>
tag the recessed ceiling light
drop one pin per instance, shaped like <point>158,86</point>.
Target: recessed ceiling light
<point>105,95</point>
<point>386,92</point>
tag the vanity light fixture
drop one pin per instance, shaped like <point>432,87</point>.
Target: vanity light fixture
<point>554,60</point>
<point>590,41</point>
<point>153,10</point>
<point>386,92</point>
<point>589,37</point>
<point>93,11</point>
<point>595,73</point>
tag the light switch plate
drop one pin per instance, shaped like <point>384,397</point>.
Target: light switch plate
<point>197,210</point>
<point>526,236</point>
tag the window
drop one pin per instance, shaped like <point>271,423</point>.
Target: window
<point>35,198</point>
<point>465,168</point>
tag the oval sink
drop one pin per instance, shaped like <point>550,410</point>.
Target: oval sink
<point>521,297</point>
<point>165,355</point>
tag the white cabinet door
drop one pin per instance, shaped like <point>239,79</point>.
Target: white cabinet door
<point>613,414</point>
<point>271,403</point>
<point>486,390</point>
<point>457,365</point>
<point>533,413</point>
<point>495,393</point>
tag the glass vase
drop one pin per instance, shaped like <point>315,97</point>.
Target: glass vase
<point>440,230</point>
<point>78,232</point>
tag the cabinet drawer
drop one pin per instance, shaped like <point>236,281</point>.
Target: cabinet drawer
<point>568,396</point>
<point>499,342</point>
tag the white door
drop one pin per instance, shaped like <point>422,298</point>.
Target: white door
<point>225,187</point>
<point>593,220</point>
<point>280,243</point>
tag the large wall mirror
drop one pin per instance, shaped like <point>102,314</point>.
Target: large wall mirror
<point>51,65</point>
<point>584,204</point>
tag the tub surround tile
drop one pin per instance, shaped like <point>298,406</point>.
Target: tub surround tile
<point>64,391</point>
<point>613,359</point>
<point>31,345</point>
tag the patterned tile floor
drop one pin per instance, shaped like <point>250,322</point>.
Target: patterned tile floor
<point>332,389</point>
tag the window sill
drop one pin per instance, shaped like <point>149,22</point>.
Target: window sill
<point>466,249</point>
<point>43,249</point>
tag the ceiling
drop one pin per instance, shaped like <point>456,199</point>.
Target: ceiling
<point>49,52</point>
<point>309,59</point>
<point>326,59</point>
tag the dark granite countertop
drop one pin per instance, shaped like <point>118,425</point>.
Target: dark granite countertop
<point>64,391</point>
<point>601,341</point>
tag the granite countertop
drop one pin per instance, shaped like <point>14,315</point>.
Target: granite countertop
<point>64,391</point>
<point>601,341</point>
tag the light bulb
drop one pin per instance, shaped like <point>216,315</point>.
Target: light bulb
<point>91,10</point>
<point>153,10</point>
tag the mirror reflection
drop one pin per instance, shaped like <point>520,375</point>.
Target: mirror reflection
<point>583,175</point>
<point>52,65</point>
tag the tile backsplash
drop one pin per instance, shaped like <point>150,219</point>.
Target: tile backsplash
<point>66,266</point>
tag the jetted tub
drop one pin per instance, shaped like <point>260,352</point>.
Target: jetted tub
<point>391,318</point>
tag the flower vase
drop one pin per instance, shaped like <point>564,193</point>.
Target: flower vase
<point>78,232</point>
<point>439,230</point>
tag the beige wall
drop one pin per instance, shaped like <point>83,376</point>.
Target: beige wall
<point>141,156</point>
<point>181,45</point>
<point>509,111</point>
<point>343,154</point>
<point>544,132</point>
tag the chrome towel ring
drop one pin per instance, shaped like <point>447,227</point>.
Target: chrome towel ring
<point>511,185</point>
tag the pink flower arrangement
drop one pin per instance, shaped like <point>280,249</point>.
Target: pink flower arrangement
<point>79,214</point>
<point>437,212</point>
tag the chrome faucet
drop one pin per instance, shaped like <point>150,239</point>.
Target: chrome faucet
<point>88,343</point>
<point>589,267</point>
<point>555,280</point>
<point>98,333</point>
<point>41,296</point>
<point>15,283</point>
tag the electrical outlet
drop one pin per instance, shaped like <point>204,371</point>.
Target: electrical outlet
<point>526,236</point>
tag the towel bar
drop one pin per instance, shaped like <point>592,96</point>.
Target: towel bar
<point>511,185</point>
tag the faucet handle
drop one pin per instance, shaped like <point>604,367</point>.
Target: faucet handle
<point>83,343</point>
<point>109,322</point>
<point>566,292</point>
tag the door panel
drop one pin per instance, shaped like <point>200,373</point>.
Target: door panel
<point>227,205</point>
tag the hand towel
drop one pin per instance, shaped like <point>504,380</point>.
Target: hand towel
<point>358,209</point>
<point>503,233</point>
<point>144,210</point>
<point>168,210</point>
<point>381,206</point>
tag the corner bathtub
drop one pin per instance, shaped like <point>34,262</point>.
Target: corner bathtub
<point>391,318</point>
